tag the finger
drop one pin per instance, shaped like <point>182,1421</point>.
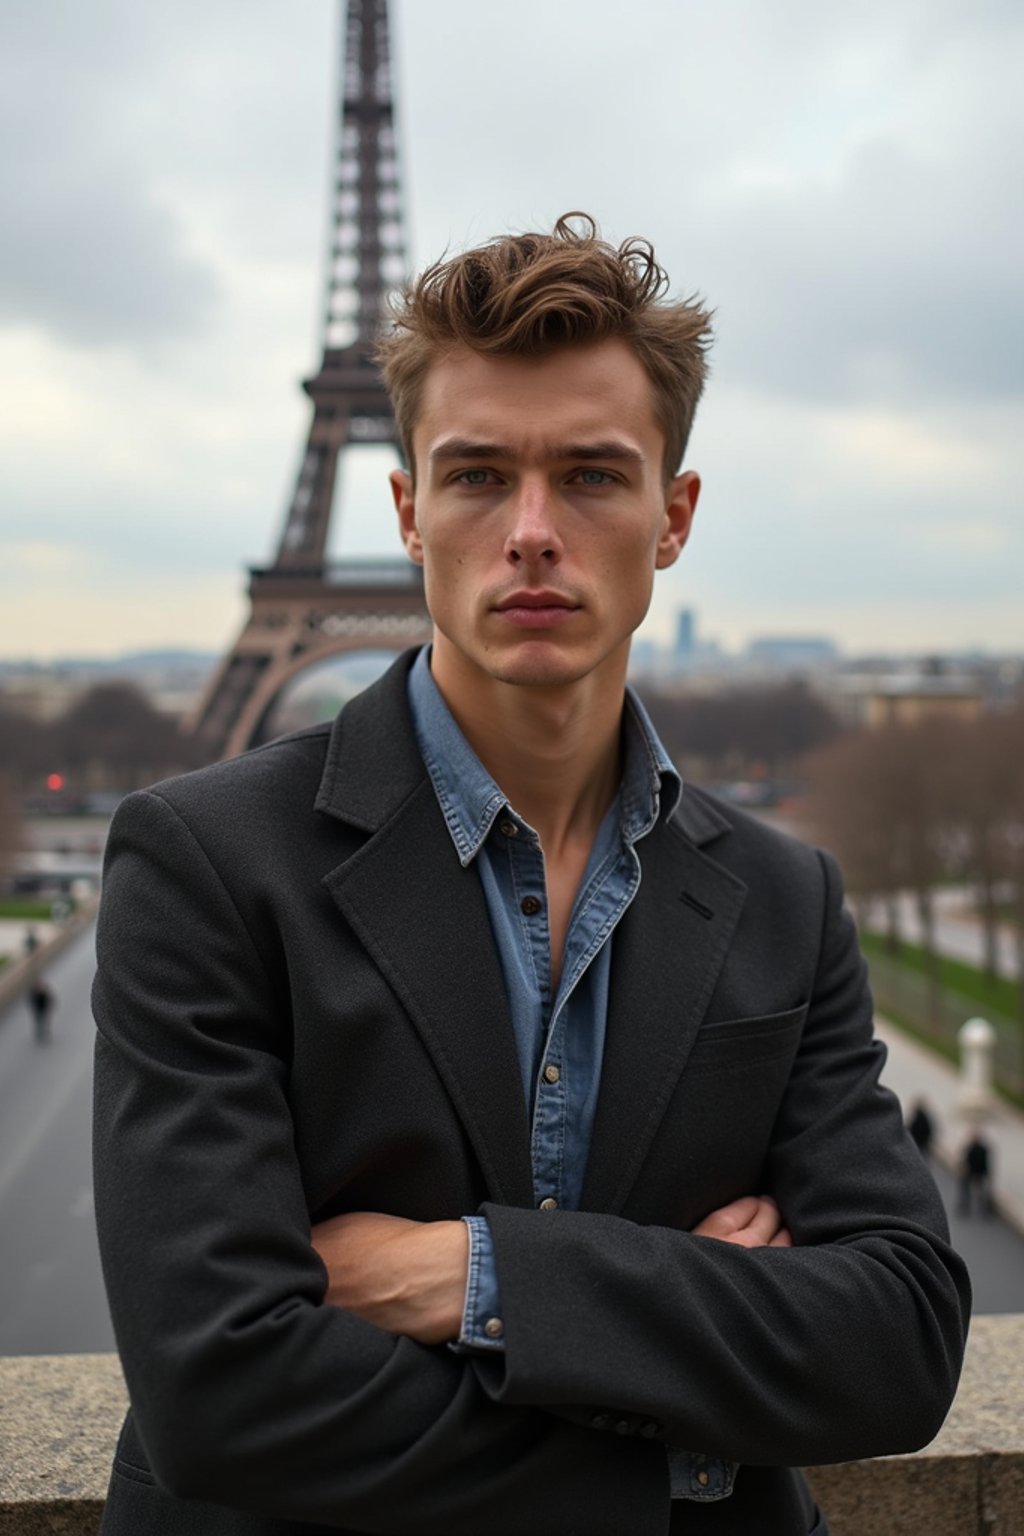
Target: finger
<point>782,1239</point>
<point>765,1223</point>
<point>728,1219</point>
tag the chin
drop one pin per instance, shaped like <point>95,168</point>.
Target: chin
<point>539,670</point>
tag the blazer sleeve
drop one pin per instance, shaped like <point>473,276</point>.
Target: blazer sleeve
<point>246,1389</point>
<point>845,1346</point>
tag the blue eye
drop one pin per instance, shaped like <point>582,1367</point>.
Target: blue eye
<point>474,476</point>
<point>594,477</point>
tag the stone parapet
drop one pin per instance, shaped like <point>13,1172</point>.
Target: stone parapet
<point>59,1420</point>
<point>970,1480</point>
<point>60,1414</point>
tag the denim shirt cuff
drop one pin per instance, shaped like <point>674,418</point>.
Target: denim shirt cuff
<point>482,1326</point>
<point>703,1478</point>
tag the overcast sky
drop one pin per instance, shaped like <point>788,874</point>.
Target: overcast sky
<point>841,183</point>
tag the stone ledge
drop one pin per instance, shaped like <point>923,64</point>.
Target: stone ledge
<point>970,1479</point>
<point>60,1415</point>
<point>59,1420</point>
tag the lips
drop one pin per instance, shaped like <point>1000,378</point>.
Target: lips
<point>543,599</point>
<point>536,610</point>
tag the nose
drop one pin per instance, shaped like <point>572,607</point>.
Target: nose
<point>533,536</point>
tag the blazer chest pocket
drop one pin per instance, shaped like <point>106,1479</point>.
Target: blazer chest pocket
<point>739,1044</point>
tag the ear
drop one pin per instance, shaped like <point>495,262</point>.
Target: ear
<point>680,505</point>
<point>405,506</point>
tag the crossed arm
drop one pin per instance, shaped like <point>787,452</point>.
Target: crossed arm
<point>409,1277</point>
<point>249,1392</point>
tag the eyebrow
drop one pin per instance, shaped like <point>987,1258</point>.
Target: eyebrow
<point>472,448</point>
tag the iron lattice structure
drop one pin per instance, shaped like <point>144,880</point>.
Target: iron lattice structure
<point>302,608</point>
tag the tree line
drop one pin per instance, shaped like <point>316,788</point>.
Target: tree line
<point>910,807</point>
<point>743,732</point>
<point>905,807</point>
<point>109,739</point>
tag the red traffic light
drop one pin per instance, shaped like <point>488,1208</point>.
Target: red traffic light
<point>55,781</point>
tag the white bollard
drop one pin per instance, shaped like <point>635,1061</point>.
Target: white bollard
<point>975,1099</point>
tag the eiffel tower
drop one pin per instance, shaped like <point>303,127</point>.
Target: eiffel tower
<point>303,608</point>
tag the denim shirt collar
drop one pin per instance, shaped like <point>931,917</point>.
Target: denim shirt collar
<point>471,800</point>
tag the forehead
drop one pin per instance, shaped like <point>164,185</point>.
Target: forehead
<point>566,396</point>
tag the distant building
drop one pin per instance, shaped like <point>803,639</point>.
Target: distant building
<point>685,633</point>
<point>792,651</point>
<point>905,698</point>
<point>172,681</point>
<point>40,692</point>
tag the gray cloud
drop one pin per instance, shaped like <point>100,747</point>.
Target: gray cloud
<point>123,128</point>
<point>91,251</point>
<point>837,182</point>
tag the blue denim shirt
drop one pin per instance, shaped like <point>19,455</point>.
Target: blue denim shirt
<point>559,1033</point>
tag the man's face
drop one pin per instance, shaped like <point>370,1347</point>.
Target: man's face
<point>540,513</point>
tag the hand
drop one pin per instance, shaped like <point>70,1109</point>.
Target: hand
<point>405,1276</point>
<point>753,1221</point>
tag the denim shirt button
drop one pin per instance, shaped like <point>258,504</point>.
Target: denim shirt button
<point>530,906</point>
<point>508,829</point>
<point>551,1074</point>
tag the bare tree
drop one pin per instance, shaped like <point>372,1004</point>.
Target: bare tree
<point>883,800</point>
<point>10,832</point>
<point>983,776</point>
<point>742,730</point>
<point>1008,749</point>
<point>113,738</point>
<point>26,748</point>
<point>849,811</point>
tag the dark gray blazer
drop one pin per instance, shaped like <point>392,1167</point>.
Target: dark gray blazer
<point>300,1012</point>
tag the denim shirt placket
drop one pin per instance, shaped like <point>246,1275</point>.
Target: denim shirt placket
<point>609,891</point>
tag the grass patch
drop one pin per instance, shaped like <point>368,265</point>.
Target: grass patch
<point>1001,995</point>
<point>23,907</point>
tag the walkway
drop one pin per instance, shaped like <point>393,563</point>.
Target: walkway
<point>914,1072</point>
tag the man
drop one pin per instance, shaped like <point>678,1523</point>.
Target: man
<point>41,1004</point>
<point>976,1174</point>
<point>488,1137</point>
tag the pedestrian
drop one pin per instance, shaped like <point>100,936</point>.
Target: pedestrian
<point>41,1003</point>
<point>922,1128</point>
<point>976,1175</point>
<point>31,941</point>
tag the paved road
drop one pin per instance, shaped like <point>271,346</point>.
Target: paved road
<point>51,1294</point>
<point>994,1254</point>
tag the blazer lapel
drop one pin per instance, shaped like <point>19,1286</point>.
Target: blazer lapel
<point>668,951</point>
<point>423,920</point>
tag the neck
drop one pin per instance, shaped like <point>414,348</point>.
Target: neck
<point>553,750</point>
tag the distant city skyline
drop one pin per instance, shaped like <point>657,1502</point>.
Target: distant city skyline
<point>834,182</point>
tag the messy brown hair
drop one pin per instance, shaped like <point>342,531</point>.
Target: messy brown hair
<point>527,295</point>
